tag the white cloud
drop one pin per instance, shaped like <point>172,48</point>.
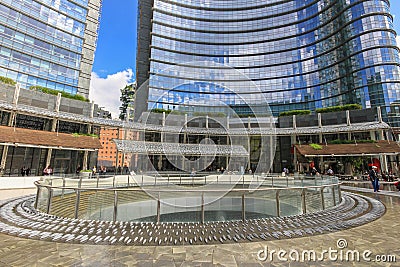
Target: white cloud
<point>106,91</point>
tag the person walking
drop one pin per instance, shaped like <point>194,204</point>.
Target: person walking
<point>373,176</point>
<point>23,171</point>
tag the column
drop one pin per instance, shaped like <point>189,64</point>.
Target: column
<point>383,160</point>
<point>3,160</point>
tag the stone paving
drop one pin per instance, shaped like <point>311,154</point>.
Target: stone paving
<point>380,236</point>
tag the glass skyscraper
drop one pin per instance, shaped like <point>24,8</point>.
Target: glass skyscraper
<point>49,43</point>
<point>301,54</point>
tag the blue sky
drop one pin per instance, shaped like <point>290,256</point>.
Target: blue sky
<point>114,63</point>
<point>116,46</point>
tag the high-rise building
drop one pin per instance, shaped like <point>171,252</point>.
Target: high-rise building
<point>301,54</point>
<point>49,43</point>
<point>108,155</point>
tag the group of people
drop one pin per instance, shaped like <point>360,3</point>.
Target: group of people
<point>25,171</point>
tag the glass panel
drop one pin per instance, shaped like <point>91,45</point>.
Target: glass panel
<point>338,200</point>
<point>290,202</point>
<point>43,198</point>
<point>260,204</point>
<point>100,205</point>
<point>313,200</point>
<point>180,207</point>
<point>328,197</point>
<point>134,206</point>
<point>226,208</point>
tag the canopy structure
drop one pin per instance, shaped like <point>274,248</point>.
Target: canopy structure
<point>21,137</point>
<point>353,127</point>
<point>155,148</point>
<point>356,149</point>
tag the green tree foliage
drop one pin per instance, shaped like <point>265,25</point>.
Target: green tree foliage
<point>127,97</point>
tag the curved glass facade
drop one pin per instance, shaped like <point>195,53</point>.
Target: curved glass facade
<point>301,54</point>
<point>46,42</point>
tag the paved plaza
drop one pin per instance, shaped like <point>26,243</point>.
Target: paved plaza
<point>381,237</point>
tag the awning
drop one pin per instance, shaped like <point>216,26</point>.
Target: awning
<point>360,149</point>
<point>44,139</point>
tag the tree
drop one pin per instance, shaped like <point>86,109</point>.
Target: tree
<point>127,98</point>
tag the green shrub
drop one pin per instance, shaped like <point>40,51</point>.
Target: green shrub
<point>339,108</point>
<point>55,92</point>
<point>7,80</point>
<point>252,115</point>
<point>316,146</point>
<point>294,112</point>
<point>160,110</point>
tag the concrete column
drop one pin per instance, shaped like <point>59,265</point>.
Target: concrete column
<point>248,147</point>
<point>85,160</point>
<point>227,158</point>
<point>381,135</point>
<point>379,112</point>
<point>16,94</point>
<point>293,142</point>
<point>48,158</point>
<point>372,135</point>
<point>319,120</point>
<point>53,129</point>
<point>348,122</point>
<point>3,160</point>
<point>294,122</point>
<point>383,160</point>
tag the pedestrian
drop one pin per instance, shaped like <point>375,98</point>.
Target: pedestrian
<point>285,172</point>
<point>78,169</point>
<point>49,170</point>
<point>28,171</point>
<point>23,170</point>
<point>373,176</point>
<point>126,169</point>
<point>314,171</point>
<point>119,170</point>
<point>45,171</point>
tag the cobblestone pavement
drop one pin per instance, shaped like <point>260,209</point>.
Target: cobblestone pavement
<point>381,237</point>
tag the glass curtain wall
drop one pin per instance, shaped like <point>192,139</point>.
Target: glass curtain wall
<point>301,54</point>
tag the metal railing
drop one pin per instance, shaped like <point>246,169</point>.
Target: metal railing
<point>149,198</point>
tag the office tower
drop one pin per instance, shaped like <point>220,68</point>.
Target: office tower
<point>301,54</point>
<point>49,43</point>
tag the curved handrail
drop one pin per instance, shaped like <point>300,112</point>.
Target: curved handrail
<point>156,190</point>
<point>139,188</point>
